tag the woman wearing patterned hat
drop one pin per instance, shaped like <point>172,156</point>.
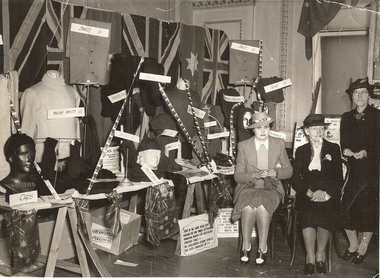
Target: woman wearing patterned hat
<point>359,138</point>
<point>317,179</point>
<point>259,190</point>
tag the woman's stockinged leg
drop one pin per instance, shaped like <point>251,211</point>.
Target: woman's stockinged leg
<point>362,250</point>
<point>310,236</point>
<point>248,220</point>
<point>323,236</point>
<point>353,239</point>
<point>263,222</point>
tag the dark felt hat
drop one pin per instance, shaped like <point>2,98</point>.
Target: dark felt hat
<point>227,99</point>
<point>163,121</point>
<point>360,83</point>
<point>314,120</point>
<point>148,144</point>
<point>15,141</point>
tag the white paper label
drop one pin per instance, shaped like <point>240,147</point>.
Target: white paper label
<point>170,132</point>
<point>197,112</point>
<point>245,48</point>
<point>89,30</point>
<point>233,98</point>
<point>277,134</point>
<point>118,96</point>
<point>210,124</point>
<point>23,198</point>
<point>149,173</point>
<point>66,113</point>
<point>278,85</point>
<point>218,135</point>
<point>155,77</point>
<point>171,146</point>
<point>127,136</point>
<point>1,40</point>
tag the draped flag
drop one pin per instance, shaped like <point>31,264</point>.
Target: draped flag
<point>152,38</point>
<point>192,52</point>
<point>315,15</point>
<point>215,71</point>
<point>23,47</point>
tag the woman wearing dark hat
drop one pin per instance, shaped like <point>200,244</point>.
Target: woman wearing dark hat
<point>359,138</point>
<point>259,189</point>
<point>317,179</point>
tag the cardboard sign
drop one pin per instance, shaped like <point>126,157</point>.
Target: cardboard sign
<point>89,30</point>
<point>66,113</point>
<point>277,134</point>
<point>197,112</point>
<point>233,98</point>
<point>172,146</point>
<point>23,198</point>
<point>118,96</point>
<point>218,135</point>
<point>149,173</point>
<point>210,124</point>
<point>245,48</point>
<point>169,132</point>
<point>196,235</point>
<point>224,226</point>
<point>127,136</point>
<point>155,77</point>
<point>332,133</point>
<point>278,85</point>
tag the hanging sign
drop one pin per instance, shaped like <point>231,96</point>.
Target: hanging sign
<point>66,113</point>
<point>196,235</point>
<point>198,112</point>
<point>118,96</point>
<point>127,136</point>
<point>89,30</point>
<point>277,85</point>
<point>155,77</point>
<point>245,48</point>
<point>276,134</point>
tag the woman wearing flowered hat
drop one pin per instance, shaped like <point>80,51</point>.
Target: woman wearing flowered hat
<point>359,138</point>
<point>317,179</point>
<point>259,190</point>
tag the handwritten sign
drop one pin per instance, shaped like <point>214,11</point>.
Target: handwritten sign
<point>197,112</point>
<point>172,146</point>
<point>66,113</point>
<point>169,132</point>
<point>127,136</point>
<point>245,48</point>
<point>23,198</point>
<point>89,30</point>
<point>277,134</point>
<point>332,133</point>
<point>233,98</point>
<point>218,135</point>
<point>278,85</point>
<point>210,124</point>
<point>118,96</point>
<point>155,77</point>
<point>196,235</point>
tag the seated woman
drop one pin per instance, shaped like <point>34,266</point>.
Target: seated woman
<point>259,190</point>
<point>317,180</point>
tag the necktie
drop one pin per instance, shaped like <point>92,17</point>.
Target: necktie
<point>262,157</point>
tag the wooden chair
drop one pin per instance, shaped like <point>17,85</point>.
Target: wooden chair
<point>334,237</point>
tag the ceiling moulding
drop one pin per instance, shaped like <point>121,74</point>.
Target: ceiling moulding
<point>207,4</point>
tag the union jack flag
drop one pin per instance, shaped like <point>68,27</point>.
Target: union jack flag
<point>152,38</point>
<point>215,71</point>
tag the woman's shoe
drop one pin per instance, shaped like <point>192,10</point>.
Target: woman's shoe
<point>348,255</point>
<point>358,259</point>
<point>308,269</point>
<point>261,258</point>
<point>321,267</point>
<point>245,255</point>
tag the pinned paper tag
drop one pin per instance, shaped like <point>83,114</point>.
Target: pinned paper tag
<point>89,30</point>
<point>233,98</point>
<point>197,112</point>
<point>277,85</point>
<point>277,134</point>
<point>66,113</point>
<point>149,173</point>
<point>172,146</point>
<point>169,132</point>
<point>155,77</point>
<point>118,96</point>
<point>210,124</point>
<point>23,198</point>
<point>218,135</point>
<point>245,48</point>
<point>127,136</point>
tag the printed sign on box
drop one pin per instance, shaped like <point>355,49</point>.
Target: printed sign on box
<point>196,235</point>
<point>224,226</point>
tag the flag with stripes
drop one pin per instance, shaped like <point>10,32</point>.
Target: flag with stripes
<point>23,48</point>
<point>215,71</point>
<point>152,38</point>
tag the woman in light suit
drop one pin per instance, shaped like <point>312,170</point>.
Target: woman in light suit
<point>261,163</point>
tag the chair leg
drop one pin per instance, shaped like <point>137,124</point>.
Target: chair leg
<point>329,252</point>
<point>272,232</point>
<point>336,243</point>
<point>240,240</point>
<point>294,241</point>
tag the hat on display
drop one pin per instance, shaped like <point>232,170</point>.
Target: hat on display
<point>227,99</point>
<point>314,120</point>
<point>260,119</point>
<point>360,83</point>
<point>15,141</point>
<point>148,144</point>
<point>163,121</point>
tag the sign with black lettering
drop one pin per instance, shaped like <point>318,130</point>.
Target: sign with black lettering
<point>23,198</point>
<point>196,235</point>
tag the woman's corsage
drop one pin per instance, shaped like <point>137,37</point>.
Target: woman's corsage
<point>327,157</point>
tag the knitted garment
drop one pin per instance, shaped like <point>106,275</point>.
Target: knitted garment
<point>49,94</point>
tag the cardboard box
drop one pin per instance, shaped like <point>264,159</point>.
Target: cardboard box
<point>128,236</point>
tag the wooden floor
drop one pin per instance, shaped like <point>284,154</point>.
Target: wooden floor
<point>221,261</point>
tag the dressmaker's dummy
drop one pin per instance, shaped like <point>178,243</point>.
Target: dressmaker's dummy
<point>49,94</point>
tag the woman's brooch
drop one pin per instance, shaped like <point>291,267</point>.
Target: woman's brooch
<point>327,157</point>
<point>359,116</point>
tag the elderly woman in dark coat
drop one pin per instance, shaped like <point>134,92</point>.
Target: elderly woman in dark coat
<point>359,138</point>
<point>317,178</point>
